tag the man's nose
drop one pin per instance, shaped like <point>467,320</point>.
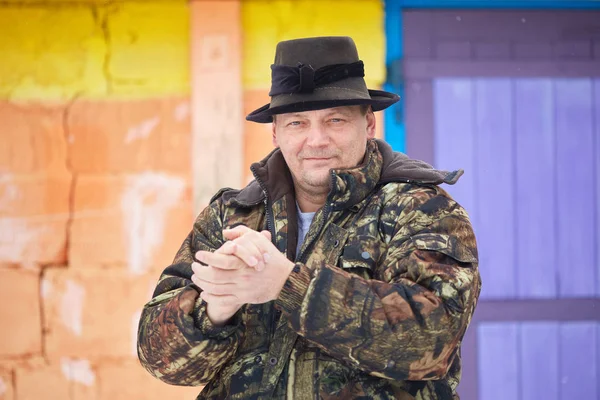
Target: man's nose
<point>317,136</point>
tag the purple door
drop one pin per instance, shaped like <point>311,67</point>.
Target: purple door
<point>513,97</point>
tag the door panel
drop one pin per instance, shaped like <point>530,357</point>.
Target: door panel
<point>575,189</point>
<point>579,361</point>
<point>530,174</point>
<point>498,361</point>
<point>453,115</point>
<point>535,149</point>
<point>539,360</point>
<point>494,185</point>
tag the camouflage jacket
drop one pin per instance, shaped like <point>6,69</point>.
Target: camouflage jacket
<point>376,307</point>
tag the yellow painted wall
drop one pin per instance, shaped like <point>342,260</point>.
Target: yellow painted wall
<point>110,50</point>
<point>59,50</point>
<point>267,22</point>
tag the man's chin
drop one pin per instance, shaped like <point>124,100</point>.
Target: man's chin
<point>320,179</point>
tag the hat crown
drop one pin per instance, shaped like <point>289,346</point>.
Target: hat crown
<point>317,52</point>
<point>317,73</point>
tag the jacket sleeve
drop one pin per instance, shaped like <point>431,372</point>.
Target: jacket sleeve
<point>177,343</point>
<point>408,321</point>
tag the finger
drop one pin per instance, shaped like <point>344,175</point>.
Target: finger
<point>247,250</point>
<point>266,256</point>
<point>198,281</point>
<point>261,245</point>
<point>234,233</point>
<point>233,249</point>
<point>227,248</point>
<point>219,301</point>
<point>197,268</point>
<point>214,274</point>
<point>195,279</point>
<point>222,261</point>
<point>213,288</point>
<point>266,234</point>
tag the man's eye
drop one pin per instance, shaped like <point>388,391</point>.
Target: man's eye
<point>336,120</point>
<point>294,123</point>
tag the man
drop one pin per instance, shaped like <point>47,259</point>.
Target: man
<point>342,271</point>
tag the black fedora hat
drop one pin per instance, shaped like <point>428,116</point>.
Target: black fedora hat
<point>317,73</point>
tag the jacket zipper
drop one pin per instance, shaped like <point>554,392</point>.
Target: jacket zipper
<point>268,211</point>
<point>275,314</point>
<point>270,224</point>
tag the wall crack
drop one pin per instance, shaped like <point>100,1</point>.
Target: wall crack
<point>101,16</point>
<point>69,166</point>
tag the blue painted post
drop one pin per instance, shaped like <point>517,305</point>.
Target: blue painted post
<point>394,129</point>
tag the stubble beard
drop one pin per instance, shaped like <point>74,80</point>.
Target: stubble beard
<point>315,184</point>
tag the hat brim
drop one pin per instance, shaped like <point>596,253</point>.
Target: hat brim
<point>379,100</point>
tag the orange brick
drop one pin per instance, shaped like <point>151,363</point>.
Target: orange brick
<point>67,379</point>
<point>130,381</point>
<point>93,314</point>
<point>257,137</point>
<point>20,299</point>
<point>136,221</point>
<point>30,360</point>
<point>34,210</point>
<point>7,391</point>
<point>32,138</point>
<point>111,136</point>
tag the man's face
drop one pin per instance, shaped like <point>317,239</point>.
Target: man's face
<point>313,142</point>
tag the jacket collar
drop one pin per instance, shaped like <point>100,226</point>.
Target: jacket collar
<point>349,186</point>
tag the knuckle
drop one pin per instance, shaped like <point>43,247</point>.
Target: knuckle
<point>240,241</point>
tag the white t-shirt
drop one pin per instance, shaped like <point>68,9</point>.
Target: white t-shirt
<point>304,221</point>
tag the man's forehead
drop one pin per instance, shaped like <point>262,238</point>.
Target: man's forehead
<point>325,111</point>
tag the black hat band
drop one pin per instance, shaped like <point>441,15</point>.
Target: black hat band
<point>304,79</point>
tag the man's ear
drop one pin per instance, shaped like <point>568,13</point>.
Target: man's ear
<point>371,124</point>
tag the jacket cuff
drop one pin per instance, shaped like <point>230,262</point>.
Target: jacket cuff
<point>294,290</point>
<point>212,331</point>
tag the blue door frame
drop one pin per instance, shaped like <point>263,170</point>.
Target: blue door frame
<point>395,128</point>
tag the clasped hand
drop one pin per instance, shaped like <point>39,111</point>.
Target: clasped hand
<point>246,269</point>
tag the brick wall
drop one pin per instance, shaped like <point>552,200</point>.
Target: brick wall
<point>96,168</point>
<point>95,190</point>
